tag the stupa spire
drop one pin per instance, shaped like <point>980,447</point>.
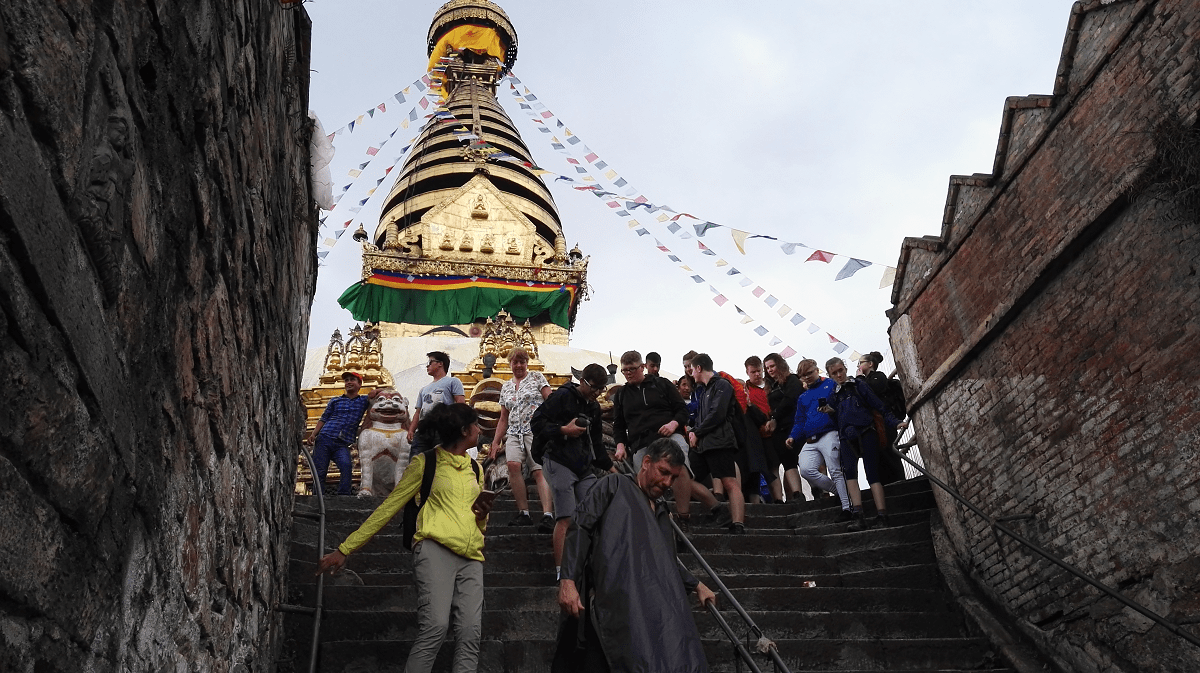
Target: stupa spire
<point>462,236</point>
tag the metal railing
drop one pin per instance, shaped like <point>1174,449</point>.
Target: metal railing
<point>768,646</point>
<point>317,611</point>
<point>997,525</point>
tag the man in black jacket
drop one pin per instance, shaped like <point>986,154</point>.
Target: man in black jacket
<point>714,444</point>
<point>568,438</point>
<point>648,407</point>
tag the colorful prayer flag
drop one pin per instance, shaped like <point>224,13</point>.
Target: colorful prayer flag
<point>820,256</point>
<point>852,267</point>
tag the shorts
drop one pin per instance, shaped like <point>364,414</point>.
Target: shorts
<point>679,441</point>
<point>520,450</point>
<point>714,464</point>
<point>788,458</point>
<point>568,488</point>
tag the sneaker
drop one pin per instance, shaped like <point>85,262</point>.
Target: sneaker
<point>859,523</point>
<point>719,515</point>
<point>844,516</point>
<point>521,519</point>
<point>547,523</point>
<point>737,528</point>
<point>880,521</point>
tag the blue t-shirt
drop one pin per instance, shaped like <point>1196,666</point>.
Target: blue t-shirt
<point>809,421</point>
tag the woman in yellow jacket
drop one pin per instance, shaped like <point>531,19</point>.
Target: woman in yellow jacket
<point>448,544</point>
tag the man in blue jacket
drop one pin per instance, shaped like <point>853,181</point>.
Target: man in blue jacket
<point>818,434</point>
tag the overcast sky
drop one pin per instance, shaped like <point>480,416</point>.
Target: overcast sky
<point>832,124</point>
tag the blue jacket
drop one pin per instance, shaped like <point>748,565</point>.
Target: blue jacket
<point>809,421</point>
<point>852,409</point>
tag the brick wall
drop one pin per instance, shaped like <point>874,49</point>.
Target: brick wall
<point>1048,339</point>
<point>156,268</point>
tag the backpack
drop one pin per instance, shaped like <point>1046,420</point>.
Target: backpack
<point>411,509</point>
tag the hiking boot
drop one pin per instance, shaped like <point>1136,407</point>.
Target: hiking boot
<point>859,523</point>
<point>720,515</point>
<point>521,519</point>
<point>844,516</point>
<point>880,521</point>
<point>547,524</point>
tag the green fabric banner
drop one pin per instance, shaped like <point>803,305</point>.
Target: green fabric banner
<point>378,303</point>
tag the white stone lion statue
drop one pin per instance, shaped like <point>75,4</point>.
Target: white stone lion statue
<point>383,449</point>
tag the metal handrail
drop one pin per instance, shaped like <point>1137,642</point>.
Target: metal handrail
<point>997,525</point>
<point>319,610</point>
<point>772,650</point>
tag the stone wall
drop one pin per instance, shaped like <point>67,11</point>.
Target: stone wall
<point>156,268</point>
<point>1049,336</point>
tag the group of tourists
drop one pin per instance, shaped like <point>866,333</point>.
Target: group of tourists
<point>707,436</point>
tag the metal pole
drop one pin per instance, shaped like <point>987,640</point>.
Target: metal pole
<point>994,523</point>
<point>317,612</point>
<point>773,652</point>
<point>738,648</point>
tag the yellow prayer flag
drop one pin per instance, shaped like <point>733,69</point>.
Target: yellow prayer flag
<point>538,171</point>
<point>588,178</point>
<point>359,120</point>
<point>663,217</point>
<point>855,356</point>
<point>372,191</point>
<point>739,239</point>
<point>633,223</point>
<point>329,242</point>
<point>685,267</point>
<point>747,319</point>
<point>721,262</point>
<point>354,172</point>
<point>784,310</point>
<point>610,174</point>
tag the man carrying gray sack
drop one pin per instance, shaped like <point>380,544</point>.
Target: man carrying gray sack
<point>648,407</point>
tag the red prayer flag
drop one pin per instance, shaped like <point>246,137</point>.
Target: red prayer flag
<point>758,291</point>
<point>788,352</point>
<point>832,339</point>
<point>372,151</point>
<point>820,256</point>
<point>547,114</point>
<point>591,157</point>
<point>382,107</point>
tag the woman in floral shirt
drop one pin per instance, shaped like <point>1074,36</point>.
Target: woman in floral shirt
<point>519,397</point>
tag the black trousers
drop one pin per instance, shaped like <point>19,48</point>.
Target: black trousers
<point>570,657</point>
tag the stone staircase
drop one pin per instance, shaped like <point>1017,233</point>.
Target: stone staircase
<point>879,602</point>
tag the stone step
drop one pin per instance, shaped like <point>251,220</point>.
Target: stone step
<point>796,563</point>
<point>919,576</point>
<point>850,600</point>
<point>946,655</point>
<point>390,539</point>
<point>900,504</point>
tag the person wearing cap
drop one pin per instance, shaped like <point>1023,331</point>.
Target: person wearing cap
<point>338,428</point>
<point>568,439</point>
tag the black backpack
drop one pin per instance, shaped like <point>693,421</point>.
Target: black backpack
<point>411,509</point>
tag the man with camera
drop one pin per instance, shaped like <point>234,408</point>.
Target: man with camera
<point>568,439</point>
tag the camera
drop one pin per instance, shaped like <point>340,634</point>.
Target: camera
<point>582,421</point>
<point>822,402</point>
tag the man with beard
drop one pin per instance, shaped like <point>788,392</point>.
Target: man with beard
<point>620,559</point>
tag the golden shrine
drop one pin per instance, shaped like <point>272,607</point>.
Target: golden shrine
<point>465,234</point>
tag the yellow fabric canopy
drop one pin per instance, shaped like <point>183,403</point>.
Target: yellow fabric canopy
<point>479,39</point>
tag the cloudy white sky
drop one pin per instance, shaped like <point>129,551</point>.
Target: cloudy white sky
<point>834,124</point>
